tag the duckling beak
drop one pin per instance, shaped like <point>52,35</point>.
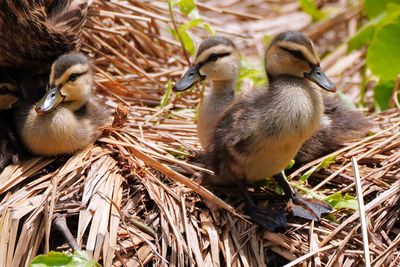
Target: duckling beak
<point>319,77</point>
<point>191,77</point>
<point>50,100</point>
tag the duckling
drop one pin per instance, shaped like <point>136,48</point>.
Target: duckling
<point>66,119</point>
<point>217,60</point>
<point>258,135</point>
<point>35,33</point>
<point>339,124</point>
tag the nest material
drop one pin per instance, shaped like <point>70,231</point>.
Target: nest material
<point>132,198</point>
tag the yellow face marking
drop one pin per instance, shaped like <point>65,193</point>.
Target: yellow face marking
<point>78,68</point>
<point>310,56</point>
<point>51,80</point>
<point>219,49</point>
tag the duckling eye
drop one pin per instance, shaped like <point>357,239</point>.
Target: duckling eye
<point>297,53</point>
<point>213,57</point>
<point>73,77</point>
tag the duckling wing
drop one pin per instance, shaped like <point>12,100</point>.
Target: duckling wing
<point>241,136</point>
<point>340,124</point>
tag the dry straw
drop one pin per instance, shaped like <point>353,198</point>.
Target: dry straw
<point>133,198</point>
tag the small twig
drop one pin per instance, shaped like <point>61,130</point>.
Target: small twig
<point>308,255</point>
<point>60,223</point>
<point>361,208</point>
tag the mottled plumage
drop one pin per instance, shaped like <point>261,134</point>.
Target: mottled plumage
<point>259,134</point>
<point>35,32</point>
<point>339,125</point>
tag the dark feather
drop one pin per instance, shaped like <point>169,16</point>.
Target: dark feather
<point>346,124</point>
<point>35,33</point>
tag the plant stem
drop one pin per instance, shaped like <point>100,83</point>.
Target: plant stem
<point>171,14</point>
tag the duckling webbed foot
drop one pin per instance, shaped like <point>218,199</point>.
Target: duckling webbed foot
<point>310,209</point>
<point>271,218</point>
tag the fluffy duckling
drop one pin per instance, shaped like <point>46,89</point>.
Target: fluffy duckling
<point>35,33</point>
<point>259,134</point>
<point>217,60</point>
<point>66,119</point>
<point>339,123</point>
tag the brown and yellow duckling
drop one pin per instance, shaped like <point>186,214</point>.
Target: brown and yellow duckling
<point>258,135</point>
<point>339,124</point>
<point>67,118</point>
<point>218,61</point>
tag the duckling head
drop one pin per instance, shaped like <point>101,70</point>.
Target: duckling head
<point>70,84</point>
<point>217,59</point>
<point>8,95</point>
<point>293,54</point>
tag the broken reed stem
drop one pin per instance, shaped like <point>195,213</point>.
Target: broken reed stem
<point>361,210</point>
<point>60,223</point>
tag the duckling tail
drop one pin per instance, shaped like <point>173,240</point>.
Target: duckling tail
<point>340,124</point>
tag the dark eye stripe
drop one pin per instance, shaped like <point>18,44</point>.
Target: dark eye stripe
<point>75,76</point>
<point>295,53</point>
<point>218,56</point>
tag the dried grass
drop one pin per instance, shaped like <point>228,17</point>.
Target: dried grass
<point>133,198</point>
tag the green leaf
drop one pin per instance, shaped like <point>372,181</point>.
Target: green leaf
<point>375,7</point>
<point>367,32</point>
<point>384,52</point>
<point>190,24</point>
<point>382,95</point>
<point>290,165</point>
<point>307,174</point>
<point>248,71</point>
<point>338,201</point>
<point>209,29</point>
<point>187,42</point>
<point>167,95</point>
<point>362,37</point>
<point>327,162</point>
<point>310,8</point>
<point>186,6</point>
<point>54,258</point>
<point>172,3</point>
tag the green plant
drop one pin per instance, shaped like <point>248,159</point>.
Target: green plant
<point>63,259</point>
<point>381,35</point>
<point>310,8</point>
<point>180,32</point>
